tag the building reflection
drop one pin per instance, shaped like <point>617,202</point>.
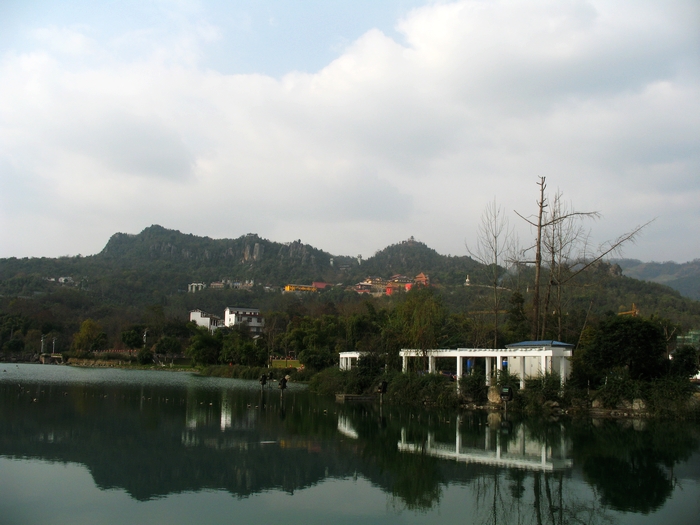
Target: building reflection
<point>514,449</point>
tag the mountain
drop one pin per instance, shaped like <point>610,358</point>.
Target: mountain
<point>684,277</point>
<point>411,257</point>
<point>167,260</point>
<point>147,274</point>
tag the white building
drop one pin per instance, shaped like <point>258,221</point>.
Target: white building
<point>209,321</point>
<point>529,359</point>
<point>248,316</point>
<point>195,287</point>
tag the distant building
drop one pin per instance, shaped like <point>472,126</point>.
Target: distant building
<point>422,280</point>
<point>300,288</point>
<point>209,321</point>
<point>217,285</point>
<point>244,316</point>
<point>195,287</point>
<point>373,285</point>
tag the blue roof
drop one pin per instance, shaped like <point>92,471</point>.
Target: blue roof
<point>527,344</point>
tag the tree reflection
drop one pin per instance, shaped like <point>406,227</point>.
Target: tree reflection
<point>154,441</point>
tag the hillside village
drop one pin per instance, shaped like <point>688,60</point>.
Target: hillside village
<point>371,285</point>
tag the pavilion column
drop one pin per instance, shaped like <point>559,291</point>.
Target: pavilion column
<point>488,371</point>
<point>460,367</point>
<point>563,369</point>
<point>404,363</point>
<point>499,365</point>
<point>522,372</point>
<point>543,364</point>
<point>431,365</point>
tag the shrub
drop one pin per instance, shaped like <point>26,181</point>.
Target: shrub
<point>144,357</point>
<point>540,390</point>
<point>473,388</point>
<point>426,389</point>
<point>618,387</point>
<point>669,396</point>
<point>330,381</point>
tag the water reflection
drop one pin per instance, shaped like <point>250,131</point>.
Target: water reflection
<point>165,434</point>
<point>504,446</point>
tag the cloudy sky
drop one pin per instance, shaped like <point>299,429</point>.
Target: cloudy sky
<point>348,125</point>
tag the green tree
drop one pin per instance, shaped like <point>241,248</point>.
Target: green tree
<point>133,338</point>
<point>517,323</point>
<point>90,338</point>
<point>168,346</point>
<point>421,318</point>
<point>684,362</point>
<point>204,347</point>
<point>14,345</point>
<point>632,343</point>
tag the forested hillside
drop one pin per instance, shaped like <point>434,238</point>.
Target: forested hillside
<point>140,281</point>
<point>684,277</point>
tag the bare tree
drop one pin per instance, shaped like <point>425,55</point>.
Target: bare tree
<point>559,231</point>
<point>495,245</point>
<point>564,242</point>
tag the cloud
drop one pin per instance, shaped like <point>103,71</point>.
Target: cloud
<point>64,40</point>
<point>129,145</point>
<point>390,139</point>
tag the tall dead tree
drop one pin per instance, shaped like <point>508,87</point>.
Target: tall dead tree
<point>495,245</point>
<point>560,233</point>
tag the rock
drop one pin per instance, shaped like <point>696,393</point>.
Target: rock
<point>597,403</point>
<point>639,404</point>
<point>494,419</point>
<point>494,395</point>
<point>624,405</point>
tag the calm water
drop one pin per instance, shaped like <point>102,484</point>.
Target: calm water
<point>89,446</point>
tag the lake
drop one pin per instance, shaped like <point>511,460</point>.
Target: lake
<point>92,446</point>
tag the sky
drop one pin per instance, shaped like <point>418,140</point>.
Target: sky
<point>348,125</point>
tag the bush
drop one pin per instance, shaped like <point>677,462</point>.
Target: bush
<point>425,389</point>
<point>618,387</point>
<point>144,357</point>
<point>684,362</point>
<point>505,378</point>
<point>669,396</point>
<point>540,390</point>
<point>330,381</point>
<point>473,388</point>
<point>317,358</point>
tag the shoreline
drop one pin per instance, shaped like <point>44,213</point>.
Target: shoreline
<point>550,409</point>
